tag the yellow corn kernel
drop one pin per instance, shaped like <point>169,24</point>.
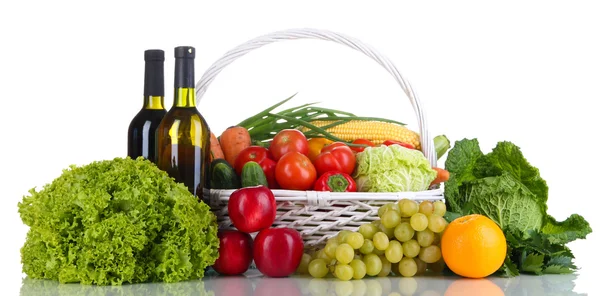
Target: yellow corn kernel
<point>374,131</point>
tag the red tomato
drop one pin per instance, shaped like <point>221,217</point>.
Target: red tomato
<point>361,142</point>
<point>268,166</point>
<point>252,153</point>
<point>338,157</point>
<point>252,209</point>
<point>288,140</point>
<point>295,171</point>
<point>278,251</point>
<point>235,252</point>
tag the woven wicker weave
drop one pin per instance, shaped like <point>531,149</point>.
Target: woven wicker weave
<point>320,215</point>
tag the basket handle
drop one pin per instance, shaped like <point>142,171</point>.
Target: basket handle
<point>308,33</point>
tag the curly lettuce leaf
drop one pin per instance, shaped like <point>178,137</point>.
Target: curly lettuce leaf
<point>392,169</point>
<point>116,221</point>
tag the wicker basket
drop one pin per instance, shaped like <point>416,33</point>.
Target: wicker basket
<point>320,215</point>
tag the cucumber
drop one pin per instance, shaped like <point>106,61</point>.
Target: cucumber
<point>223,176</point>
<point>253,175</point>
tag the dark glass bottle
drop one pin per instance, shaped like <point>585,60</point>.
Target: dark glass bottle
<point>183,136</point>
<point>141,137</point>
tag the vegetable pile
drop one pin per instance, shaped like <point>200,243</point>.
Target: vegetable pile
<point>505,187</point>
<point>117,221</point>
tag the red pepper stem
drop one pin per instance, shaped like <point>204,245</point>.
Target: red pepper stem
<point>337,183</point>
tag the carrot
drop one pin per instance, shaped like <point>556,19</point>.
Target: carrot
<point>233,140</point>
<point>442,176</point>
<point>215,148</point>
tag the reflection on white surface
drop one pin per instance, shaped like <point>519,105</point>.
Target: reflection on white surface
<point>254,284</point>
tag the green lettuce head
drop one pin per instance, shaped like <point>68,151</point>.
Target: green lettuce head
<point>393,169</point>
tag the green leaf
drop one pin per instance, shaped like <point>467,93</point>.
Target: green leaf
<point>460,162</point>
<point>506,201</point>
<point>506,157</point>
<point>574,227</point>
<point>508,269</point>
<point>532,263</point>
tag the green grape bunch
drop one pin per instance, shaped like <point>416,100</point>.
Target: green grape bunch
<point>404,241</point>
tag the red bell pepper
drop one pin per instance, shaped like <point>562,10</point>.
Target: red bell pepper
<point>335,157</point>
<point>361,142</point>
<point>392,142</point>
<point>335,182</point>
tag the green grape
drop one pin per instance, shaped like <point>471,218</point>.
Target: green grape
<point>341,237</point>
<point>367,247</point>
<point>368,230</point>
<point>318,268</point>
<point>355,240</point>
<point>304,262</point>
<point>439,208</point>
<point>430,254</point>
<point>404,232</point>
<point>421,266</point>
<point>426,208</point>
<point>344,253</point>
<point>378,252</point>
<point>394,252</point>
<point>418,222</point>
<point>360,269</point>
<point>391,219</point>
<point>386,267</point>
<point>437,223</point>
<point>388,231</point>
<point>373,264</point>
<point>343,272</point>
<point>330,247</point>
<point>411,248</point>
<point>343,288</point>
<point>407,267</point>
<point>322,255</point>
<point>381,241</point>
<point>425,237</point>
<point>408,207</point>
<point>386,208</point>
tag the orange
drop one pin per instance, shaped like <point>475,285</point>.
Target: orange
<point>473,246</point>
<point>472,287</point>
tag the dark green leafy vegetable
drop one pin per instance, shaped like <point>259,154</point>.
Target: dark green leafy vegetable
<point>116,221</point>
<point>505,187</point>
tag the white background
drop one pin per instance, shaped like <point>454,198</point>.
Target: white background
<point>522,71</point>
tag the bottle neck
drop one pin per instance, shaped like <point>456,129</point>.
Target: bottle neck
<point>154,79</point>
<point>185,92</point>
<point>185,97</point>
<point>154,102</point>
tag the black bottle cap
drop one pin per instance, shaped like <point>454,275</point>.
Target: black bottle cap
<point>185,52</point>
<point>154,55</point>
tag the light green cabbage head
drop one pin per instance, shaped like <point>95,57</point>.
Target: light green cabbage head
<point>392,169</point>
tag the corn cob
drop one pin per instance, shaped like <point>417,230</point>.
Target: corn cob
<point>374,131</point>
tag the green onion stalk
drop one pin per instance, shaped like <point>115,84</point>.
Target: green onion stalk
<point>263,126</point>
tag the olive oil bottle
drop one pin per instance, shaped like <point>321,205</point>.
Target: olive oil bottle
<point>141,136</point>
<point>183,136</point>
